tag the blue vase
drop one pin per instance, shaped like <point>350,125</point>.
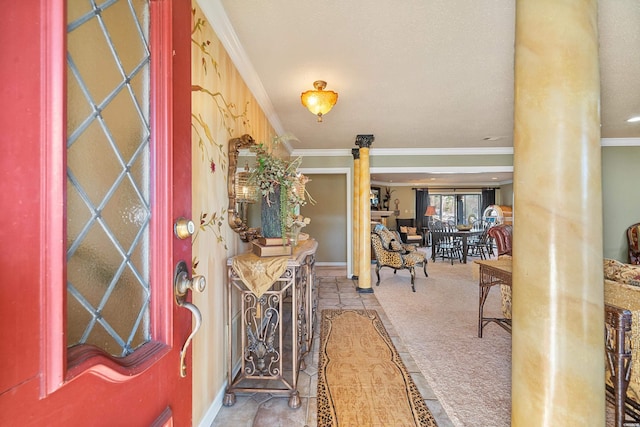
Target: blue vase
<point>270,215</point>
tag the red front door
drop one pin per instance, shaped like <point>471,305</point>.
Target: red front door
<point>44,379</point>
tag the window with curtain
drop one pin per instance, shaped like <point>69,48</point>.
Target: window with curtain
<point>455,207</point>
<point>488,198</point>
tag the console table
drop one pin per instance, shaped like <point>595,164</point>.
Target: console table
<point>275,329</point>
<point>492,272</point>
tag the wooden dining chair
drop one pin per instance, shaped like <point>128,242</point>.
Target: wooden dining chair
<point>445,244</point>
<point>480,245</point>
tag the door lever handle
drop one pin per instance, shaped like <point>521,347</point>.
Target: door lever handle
<point>181,286</point>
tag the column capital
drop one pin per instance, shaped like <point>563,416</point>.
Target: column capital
<point>355,152</point>
<point>364,141</point>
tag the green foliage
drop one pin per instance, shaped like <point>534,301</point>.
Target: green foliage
<point>272,172</point>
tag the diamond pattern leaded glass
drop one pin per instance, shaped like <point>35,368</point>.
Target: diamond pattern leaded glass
<point>108,182</point>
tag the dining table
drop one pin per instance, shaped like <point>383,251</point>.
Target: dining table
<point>464,235</point>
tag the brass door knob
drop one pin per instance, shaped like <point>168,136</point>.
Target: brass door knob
<point>184,228</point>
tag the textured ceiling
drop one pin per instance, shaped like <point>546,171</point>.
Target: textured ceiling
<point>415,73</point>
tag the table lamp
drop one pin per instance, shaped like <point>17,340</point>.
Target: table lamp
<point>431,211</point>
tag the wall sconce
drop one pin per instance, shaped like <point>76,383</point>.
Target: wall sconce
<point>239,193</point>
<point>246,192</point>
<point>319,101</point>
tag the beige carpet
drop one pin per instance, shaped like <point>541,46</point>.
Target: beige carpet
<point>471,376</point>
<point>361,378</point>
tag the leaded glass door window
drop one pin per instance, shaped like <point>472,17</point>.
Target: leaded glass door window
<point>108,181</point>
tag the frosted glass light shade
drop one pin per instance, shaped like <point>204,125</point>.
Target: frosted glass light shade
<point>245,191</point>
<point>319,101</point>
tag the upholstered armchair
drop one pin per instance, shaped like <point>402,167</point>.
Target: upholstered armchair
<point>633,237</point>
<point>391,252</point>
<point>502,236</point>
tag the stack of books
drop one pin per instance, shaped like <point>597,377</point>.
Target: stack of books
<point>271,246</point>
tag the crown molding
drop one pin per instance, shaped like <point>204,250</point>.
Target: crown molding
<point>374,152</point>
<point>312,152</point>
<point>442,169</point>
<point>478,185</point>
<point>444,151</point>
<point>620,142</point>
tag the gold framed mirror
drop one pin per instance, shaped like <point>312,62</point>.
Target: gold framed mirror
<point>238,207</point>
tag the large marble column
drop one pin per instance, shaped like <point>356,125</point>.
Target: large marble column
<point>558,310</point>
<point>356,212</point>
<point>364,227</point>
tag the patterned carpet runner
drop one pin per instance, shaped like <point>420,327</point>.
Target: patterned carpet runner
<point>361,378</point>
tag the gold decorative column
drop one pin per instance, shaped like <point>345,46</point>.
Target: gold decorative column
<point>356,212</point>
<point>364,227</point>
<point>558,310</point>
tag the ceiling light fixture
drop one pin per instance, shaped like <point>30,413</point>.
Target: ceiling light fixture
<point>319,101</point>
<point>634,119</point>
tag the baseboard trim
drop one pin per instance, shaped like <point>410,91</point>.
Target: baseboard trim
<point>214,408</point>
<point>216,405</point>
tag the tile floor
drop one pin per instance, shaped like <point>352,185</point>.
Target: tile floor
<point>263,409</point>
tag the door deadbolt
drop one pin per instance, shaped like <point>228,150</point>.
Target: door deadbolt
<point>184,228</point>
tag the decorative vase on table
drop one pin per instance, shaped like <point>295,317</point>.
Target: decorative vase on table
<point>293,234</point>
<point>271,220</point>
<point>294,224</point>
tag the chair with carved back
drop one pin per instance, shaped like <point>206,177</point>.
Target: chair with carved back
<point>445,244</point>
<point>480,245</point>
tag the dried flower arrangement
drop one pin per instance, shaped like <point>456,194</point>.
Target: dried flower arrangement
<point>279,181</point>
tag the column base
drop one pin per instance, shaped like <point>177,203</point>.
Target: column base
<point>364,290</point>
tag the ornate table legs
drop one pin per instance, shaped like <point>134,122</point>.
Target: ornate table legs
<point>276,333</point>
